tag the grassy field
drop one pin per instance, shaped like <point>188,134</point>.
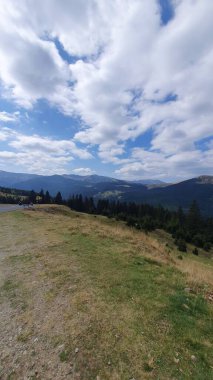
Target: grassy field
<point>85,297</point>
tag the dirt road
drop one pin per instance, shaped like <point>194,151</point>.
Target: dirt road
<point>6,208</point>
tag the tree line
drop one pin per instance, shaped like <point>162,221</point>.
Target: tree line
<point>14,196</point>
<point>185,227</point>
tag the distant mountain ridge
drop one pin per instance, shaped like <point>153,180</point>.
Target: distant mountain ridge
<point>149,182</point>
<point>154,191</point>
<point>205,179</point>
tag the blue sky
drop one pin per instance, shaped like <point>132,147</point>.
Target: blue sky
<point>114,88</point>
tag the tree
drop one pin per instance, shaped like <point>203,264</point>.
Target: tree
<point>58,198</point>
<point>194,218</point>
<point>47,198</point>
<point>181,216</point>
<point>41,195</point>
<point>32,197</point>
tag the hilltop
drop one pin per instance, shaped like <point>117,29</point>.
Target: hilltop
<point>85,297</point>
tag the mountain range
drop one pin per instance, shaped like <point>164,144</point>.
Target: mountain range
<point>148,191</point>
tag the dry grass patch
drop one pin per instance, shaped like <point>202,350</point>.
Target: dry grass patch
<point>196,271</point>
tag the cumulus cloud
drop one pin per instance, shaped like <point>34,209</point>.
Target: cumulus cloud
<point>39,154</point>
<point>34,162</point>
<point>83,171</point>
<point>48,145</point>
<point>124,73</point>
<point>31,67</point>
<point>182,165</point>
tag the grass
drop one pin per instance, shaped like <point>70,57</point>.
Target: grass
<point>14,291</point>
<point>114,298</point>
<point>64,356</point>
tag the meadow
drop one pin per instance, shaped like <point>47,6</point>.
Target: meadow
<point>87,298</point>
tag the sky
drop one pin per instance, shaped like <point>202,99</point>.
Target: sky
<point>122,88</point>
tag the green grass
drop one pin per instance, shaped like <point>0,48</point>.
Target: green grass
<point>15,293</point>
<point>124,308</point>
<point>64,356</point>
<point>16,259</point>
<point>158,309</point>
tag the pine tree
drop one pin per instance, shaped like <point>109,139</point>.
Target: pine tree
<point>194,220</point>
<point>41,195</point>
<point>32,197</point>
<point>181,216</point>
<point>58,198</point>
<point>47,198</point>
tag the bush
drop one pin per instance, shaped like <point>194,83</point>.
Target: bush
<point>180,243</point>
<point>198,240</point>
<point>195,252</point>
<point>147,223</point>
<point>131,221</point>
<point>207,246</point>
<point>179,234</point>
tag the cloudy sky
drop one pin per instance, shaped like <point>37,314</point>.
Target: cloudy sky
<point>114,87</point>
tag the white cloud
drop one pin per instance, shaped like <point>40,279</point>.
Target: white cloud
<point>39,154</point>
<point>48,145</point>
<point>31,67</point>
<point>34,162</point>
<point>146,164</point>
<point>109,152</point>
<point>83,171</point>
<point>125,65</point>
<point>5,133</point>
<point>7,117</point>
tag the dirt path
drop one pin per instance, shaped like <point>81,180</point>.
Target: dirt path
<point>31,335</point>
<point>7,208</point>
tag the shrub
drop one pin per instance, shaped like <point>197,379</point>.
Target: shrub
<point>147,223</point>
<point>198,240</point>
<point>131,221</point>
<point>207,246</point>
<point>195,252</point>
<point>180,243</point>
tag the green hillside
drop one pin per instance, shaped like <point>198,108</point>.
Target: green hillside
<point>85,297</point>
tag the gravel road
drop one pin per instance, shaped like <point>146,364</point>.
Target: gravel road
<point>6,208</point>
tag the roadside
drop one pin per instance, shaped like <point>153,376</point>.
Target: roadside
<point>6,208</point>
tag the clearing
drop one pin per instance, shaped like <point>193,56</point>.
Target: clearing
<point>87,298</point>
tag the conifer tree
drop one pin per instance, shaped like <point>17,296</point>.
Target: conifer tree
<point>41,195</point>
<point>58,198</point>
<point>47,198</point>
<point>194,218</point>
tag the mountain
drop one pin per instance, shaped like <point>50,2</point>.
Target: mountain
<point>150,182</point>
<point>182,194</point>
<point>8,179</point>
<point>206,179</point>
<point>168,195</point>
<point>94,178</point>
<point>69,184</point>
